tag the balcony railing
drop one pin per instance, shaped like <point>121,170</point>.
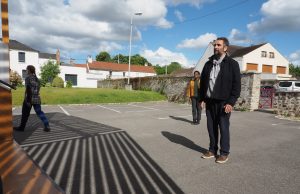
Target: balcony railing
<point>7,85</point>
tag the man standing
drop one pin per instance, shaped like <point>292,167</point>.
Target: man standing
<point>220,87</point>
<point>193,94</point>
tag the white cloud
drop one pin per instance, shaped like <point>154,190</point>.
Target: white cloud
<point>196,3</point>
<point>200,42</point>
<point>75,25</point>
<point>237,37</point>
<point>278,15</point>
<point>109,46</point>
<point>179,15</point>
<point>295,57</point>
<point>163,23</point>
<point>164,56</point>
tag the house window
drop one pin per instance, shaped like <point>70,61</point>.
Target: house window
<point>124,74</point>
<point>72,78</point>
<point>24,73</point>
<point>21,57</point>
<point>281,70</point>
<point>271,55</point>
<point>252,67</point>
<point>263,53</point>
<point>267,68</point>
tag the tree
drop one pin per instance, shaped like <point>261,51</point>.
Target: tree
<point>173,67</point>
<point>103,56</point>
<point>170,68</point>
<point>294,70</point>
<point>121,58</point>
<point>15,79</point>
<point>138,60</point>
<point>159,70</point>
<point>48,72</point>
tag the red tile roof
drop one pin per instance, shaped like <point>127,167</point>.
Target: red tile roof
<point>107,66</point>
<point>80,65</point>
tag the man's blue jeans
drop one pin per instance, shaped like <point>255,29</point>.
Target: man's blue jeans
<point>26,108</point>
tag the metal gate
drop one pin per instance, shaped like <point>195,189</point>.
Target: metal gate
<point>266,98</point>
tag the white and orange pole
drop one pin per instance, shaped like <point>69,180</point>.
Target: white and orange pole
<point>6,127</point>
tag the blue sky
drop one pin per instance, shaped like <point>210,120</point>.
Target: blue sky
<point>168,30</point>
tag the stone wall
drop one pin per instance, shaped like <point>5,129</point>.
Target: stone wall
<point>175,88</point>
<point>250,92</point>
<point>287,104</point>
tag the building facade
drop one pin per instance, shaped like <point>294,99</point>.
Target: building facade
<point>261,58</point>
<point>80,75</point>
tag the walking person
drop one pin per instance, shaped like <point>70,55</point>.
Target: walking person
<point>193,94</point>
<point>220,87</point>
<point>32,98</point>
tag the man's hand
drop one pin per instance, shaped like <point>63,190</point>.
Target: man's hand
<point>202,104</point>
<point>228,108</point>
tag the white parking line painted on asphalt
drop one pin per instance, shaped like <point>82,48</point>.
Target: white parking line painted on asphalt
<point>109,109</point>
<point>64,110</point>
<point>163,118</point>
<point>143,107</point>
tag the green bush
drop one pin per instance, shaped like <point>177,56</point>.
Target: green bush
<point>58,82</point>
<point>69,84</point>
<point>15,79</point>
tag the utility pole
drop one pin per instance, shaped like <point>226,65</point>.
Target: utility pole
<point>130,37</point>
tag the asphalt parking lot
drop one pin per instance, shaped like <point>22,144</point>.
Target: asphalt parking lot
<point>152,148</point>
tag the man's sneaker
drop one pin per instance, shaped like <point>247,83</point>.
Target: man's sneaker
<point>222,159</point>
<point>47,129</point>
<point>207,155</point>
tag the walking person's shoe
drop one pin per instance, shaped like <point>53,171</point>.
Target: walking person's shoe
<point>47,129</point>
<point>208,155</point>
<point>194,122</point>
<point>222,159</point>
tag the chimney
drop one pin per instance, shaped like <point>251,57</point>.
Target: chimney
<point>89,59</point>
<point>58,57</point>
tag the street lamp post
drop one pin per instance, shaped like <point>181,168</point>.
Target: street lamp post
<point>130,37</point>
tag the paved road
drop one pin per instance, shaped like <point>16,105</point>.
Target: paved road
<point>153,148</point>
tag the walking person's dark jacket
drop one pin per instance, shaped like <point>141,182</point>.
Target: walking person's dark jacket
<point>228,84</point>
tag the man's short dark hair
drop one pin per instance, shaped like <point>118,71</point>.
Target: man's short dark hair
<point>197,71</point>
<point>225,40</point>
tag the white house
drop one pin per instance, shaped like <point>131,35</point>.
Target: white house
<point>261,58</point>
<point>81,75</point>
<point>21,55</point>
<point>87,75</point>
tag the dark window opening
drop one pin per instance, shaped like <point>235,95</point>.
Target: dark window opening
<point>21,56</point>
<point>72,78</point>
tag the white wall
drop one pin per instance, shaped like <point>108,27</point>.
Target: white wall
<point>31,58</point>
<point>82,79</point>
<point>43,61</point>
<point>208,53</point>
<point>255,57</point>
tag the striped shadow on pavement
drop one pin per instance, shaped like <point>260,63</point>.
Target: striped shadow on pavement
<point>100,161</point>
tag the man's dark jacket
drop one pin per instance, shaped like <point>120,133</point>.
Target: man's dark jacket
<point>228,83</point>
